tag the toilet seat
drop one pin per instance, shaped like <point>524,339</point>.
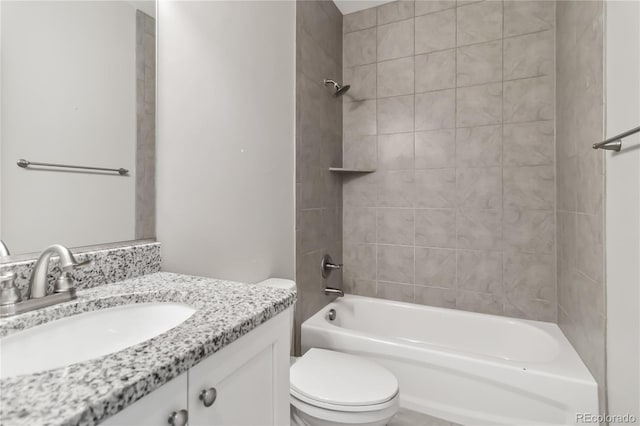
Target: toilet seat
<point>341,382</point>
<point>371,416</point>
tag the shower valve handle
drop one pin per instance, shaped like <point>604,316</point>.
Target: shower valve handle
<point>327,266</point>
<point>333,266</point>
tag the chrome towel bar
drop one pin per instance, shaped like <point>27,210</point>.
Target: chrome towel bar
<point>615,143</point>
<point>24,164</point>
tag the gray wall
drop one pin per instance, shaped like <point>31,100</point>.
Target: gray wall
<point>454,106</point>
<point>225,169</point>
<point>318,147</point>
<point>580,186</point>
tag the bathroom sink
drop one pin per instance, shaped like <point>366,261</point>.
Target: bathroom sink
<point>86,336</point>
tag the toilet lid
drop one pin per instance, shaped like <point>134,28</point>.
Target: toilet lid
<point>341,379</point>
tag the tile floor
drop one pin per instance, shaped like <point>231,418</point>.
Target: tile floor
<point>413,418</point>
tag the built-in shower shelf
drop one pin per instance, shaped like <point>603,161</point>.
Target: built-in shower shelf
<point>347,170</point>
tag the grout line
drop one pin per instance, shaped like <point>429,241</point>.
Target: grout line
<point>502,286</point>
<point>455,152</point>
<point>377,185</point>
<point>414,152</point>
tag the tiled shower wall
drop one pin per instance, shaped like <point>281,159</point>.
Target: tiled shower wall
<point>453,105</point>
<point>145,126</point>
<point>580,188</point>
<point>318,147</point>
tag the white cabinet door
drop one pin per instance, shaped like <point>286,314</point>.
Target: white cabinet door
<point>155,408</point>
<point>250,378</point>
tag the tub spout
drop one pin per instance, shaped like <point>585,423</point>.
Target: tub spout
<point>333,292</point>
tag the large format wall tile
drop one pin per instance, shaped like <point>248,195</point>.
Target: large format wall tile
<point>479,105</point>
<point>529,187</point>
<point>522,17</point>
<point>529,231</point>
<point>360,152</point>
<point>479,63</point>
<point>435,71</point>
<point>396,263</point>
<point>395,226</point>
<point>360,47</point>
<point>529,55</point>
<point>395,77</point>
<point>435,149</point>
<point>363,82</point>
<point>529,144</point>
<point>479,302</point>
<point>396,189</point>
<point>395,151</point>
<point>359,20</point>
<point>479,229</point>
<point>360,261</point>
<point>529,99</point>
<point>435,228</point>
<point>435,267</point>
<point>435,188</point>
<point>359,224</point>
<point>395,11</point>
<point>479,146</point>
<point>460,212</point>
<point>423,7</point>
<point>480,271</point>
<point>479,22</point>
<point>395,114</point>
<point>435,110</point>
<point>435,31</point>
<point>395,40</point>
<point>395,291</point>
<point>479,188</point>
<point>441,297</point>
<point>360,118</point>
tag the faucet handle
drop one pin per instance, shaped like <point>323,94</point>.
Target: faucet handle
<point>75,264</point>
<point>64,284</point>
<point>9,295</point>
<point>70,267</point>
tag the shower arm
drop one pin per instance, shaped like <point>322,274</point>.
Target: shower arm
<point>328,81</point>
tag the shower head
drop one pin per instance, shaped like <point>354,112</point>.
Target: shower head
<point>340,90</point>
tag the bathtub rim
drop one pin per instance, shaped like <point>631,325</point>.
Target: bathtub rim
<point>566,365</point>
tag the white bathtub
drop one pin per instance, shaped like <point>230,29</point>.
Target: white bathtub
<point>469,368</point>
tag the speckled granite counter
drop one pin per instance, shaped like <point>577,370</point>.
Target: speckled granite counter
<point>90,391</point>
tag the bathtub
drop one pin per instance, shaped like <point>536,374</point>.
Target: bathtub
<point>464,367</point>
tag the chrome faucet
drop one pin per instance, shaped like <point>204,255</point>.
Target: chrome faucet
<point>39,282</point>
<point>4,251</point>
<point>63,290</point>
<point>333,292</point>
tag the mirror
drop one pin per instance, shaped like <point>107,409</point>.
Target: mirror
<point>78,89</point>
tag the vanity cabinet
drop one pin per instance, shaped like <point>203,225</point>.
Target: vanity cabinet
<point>244,384</point>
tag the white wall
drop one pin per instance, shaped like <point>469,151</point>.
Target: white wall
<point>226,110</point>
<point>68,96</point>
<point>623,209</point>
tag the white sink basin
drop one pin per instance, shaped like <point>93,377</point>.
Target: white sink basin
<point>86,336</point>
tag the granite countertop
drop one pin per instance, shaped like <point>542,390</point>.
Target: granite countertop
<point>90,391</point>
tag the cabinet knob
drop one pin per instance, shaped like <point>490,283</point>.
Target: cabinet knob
<point>208,396</point>
<point>179,418</point>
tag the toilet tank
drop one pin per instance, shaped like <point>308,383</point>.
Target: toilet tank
<point>279,283</point>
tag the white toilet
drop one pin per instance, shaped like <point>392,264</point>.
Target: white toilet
<point>329,388</point>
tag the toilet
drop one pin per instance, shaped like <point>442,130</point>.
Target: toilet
<point>329,388</point>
